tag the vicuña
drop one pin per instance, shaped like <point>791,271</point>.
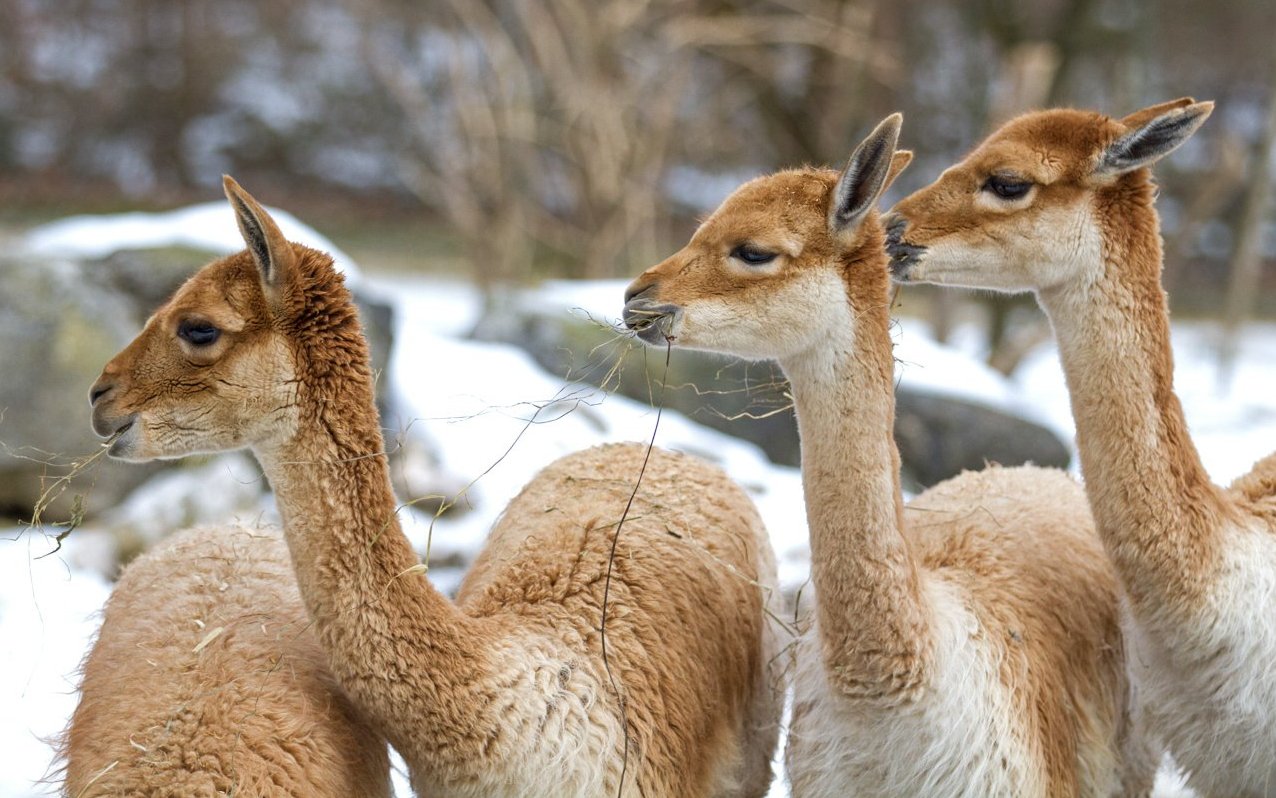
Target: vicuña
<point>504,691</point>
<point>1060,203</point>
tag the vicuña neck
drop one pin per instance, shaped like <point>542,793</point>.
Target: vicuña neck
<point>400,647</point>
<point>871,618</point>
<point>1153,502</point>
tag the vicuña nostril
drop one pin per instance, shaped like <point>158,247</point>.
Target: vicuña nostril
<point>97,392</point>
<point>637,289</point>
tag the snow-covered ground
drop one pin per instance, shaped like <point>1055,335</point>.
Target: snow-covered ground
<point>493,417</point>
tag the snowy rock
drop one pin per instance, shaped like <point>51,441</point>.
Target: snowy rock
<point>940,436</point>
<point>941,430</point>
<point>190,493</point>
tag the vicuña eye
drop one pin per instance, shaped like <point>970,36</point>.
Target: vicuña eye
<point>752,255</point>
<point>1008,188</point>
<point>198,333</point>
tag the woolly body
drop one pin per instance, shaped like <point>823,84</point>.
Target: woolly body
<point>206,679</point>
<point>1006,579</point>
<point>690,548</point>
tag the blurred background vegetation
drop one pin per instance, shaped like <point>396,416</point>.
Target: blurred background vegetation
<point>508,140</point>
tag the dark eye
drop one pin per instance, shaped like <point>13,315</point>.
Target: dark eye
<point>1008,188</point>
<point>198,333</point>
<point>752,255</point>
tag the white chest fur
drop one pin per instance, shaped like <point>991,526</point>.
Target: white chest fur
<point>957,740</point>
<point>1210,692</point>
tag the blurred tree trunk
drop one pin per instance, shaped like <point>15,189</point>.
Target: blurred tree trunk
<point>610,121</point>
<point>1247,258</point>
<point>805,65</point>
<point>547,133</point>
<point>467,104</point>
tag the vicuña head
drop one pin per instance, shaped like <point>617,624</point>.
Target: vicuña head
<point>1022,212</point>
<point>769,272</point>
<point>221,365</point>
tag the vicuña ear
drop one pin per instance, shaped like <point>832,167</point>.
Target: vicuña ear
<point>1153,139</point>
<point>273,253</point>
<point>1144,115</point>
<point>899,162</point>
<point>866,176</point>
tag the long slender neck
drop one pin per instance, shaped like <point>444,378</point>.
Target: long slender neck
<point>1153,502</point>
<point>399,647</point>
<point>872,620</point>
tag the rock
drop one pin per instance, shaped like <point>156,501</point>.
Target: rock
<point>941,436</point>
<point>59,328</point>
<point>938,436</point>
<point>193,491</point>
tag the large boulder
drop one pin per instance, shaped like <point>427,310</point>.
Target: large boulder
<point>59,328</point>
<point>938,435</point>
<point>941,436</point>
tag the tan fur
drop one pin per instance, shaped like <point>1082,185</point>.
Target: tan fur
<point>504,692</point>
<point>999,570</point>
<point>684,588</point>
<point>253,712</point>
<point>1197,562</point>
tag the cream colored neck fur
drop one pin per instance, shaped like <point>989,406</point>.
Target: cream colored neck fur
<point>872,623</point>
<point>1152,500</point>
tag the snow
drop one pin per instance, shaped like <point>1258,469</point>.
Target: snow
<point>230,484</point>
<point>1233,426</point>
<point>48,615</point>
<point>207,226</point>
<point>494,417</point>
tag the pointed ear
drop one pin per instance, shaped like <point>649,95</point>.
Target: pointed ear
<point>273,253</point>
<point>1152,140</point>
<point>899,162</point>
<point>866,175</point>
<point>1144,115</point>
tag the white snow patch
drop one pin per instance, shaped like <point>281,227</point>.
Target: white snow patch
<point>48,616</point>
<point>209,226</point>
<point>1232,425</point>
<point>190,496</point>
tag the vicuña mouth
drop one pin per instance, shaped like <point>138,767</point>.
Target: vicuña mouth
<point>903,254</point>
<point>651,322</point>
<point>902,263</point>
<point>904,258</point>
